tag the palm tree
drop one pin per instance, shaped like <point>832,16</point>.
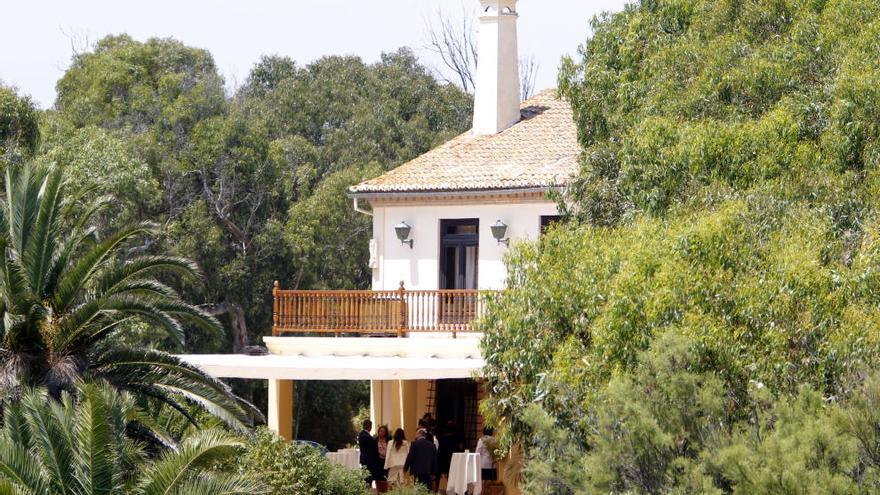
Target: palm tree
<point>78,445</point>
<point>65,294</point>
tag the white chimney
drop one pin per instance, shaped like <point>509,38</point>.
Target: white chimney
<point>496,92</point>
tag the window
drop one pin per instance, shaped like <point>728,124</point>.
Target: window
<point>459,248</point>
<point>548,220</point>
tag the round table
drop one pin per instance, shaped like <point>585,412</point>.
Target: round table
<point>349,458</point>
<point>465,474</point>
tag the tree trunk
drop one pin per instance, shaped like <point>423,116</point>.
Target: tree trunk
<point>237,322</point>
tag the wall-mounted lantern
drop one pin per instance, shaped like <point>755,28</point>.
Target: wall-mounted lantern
<point>499,230</point>
<point>402,230</point>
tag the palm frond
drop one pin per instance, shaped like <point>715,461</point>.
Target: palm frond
<point>95,453</point>
<point>140,367</point>
<point>221,484</point>
<point>48,440</point>
<point>73,279</point>
<point>174,470</point>
<point>85,322</point>
<point>23,187</point>
<point>22,468</point>
<point>8,488</point>
<point>40,247</point>
<point>146,266</point>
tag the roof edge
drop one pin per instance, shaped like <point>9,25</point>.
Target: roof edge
<point>440,193</point>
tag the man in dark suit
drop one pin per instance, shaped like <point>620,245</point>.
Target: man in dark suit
<point>422,459</point>
<point>369,452</point>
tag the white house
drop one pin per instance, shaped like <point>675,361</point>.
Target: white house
<point>441,226</point>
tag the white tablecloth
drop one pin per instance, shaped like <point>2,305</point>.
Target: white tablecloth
<point>349,458</point>
<point>464,474</point>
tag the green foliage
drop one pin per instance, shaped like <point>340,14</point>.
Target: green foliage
<point>727,194</point>
<point>289,467</point>
<point>765,292</point>
<point>19,125</point>
<point>327,256</point>
<point>94,159</point>
<point>314,399</point>
<point>667,429</point>
<point>673,96</point>
<point>415,489</point>
<point>80,445</point>
<point>67,293</point>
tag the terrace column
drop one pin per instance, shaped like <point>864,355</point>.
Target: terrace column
<point>280,410</point>
<point>409,405</point>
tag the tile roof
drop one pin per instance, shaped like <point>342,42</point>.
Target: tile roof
<point>538,151</point>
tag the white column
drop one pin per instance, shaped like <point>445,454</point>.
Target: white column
<point>280,408</point>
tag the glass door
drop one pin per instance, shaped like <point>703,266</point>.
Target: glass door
<point>459,255</point>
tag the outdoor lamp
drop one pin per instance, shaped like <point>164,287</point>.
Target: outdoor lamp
<point>498,232</point>
<point>402,230</point>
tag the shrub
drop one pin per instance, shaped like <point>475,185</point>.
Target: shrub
<point>409,490</point>
<point>292,468</point>
<point>665,428</point>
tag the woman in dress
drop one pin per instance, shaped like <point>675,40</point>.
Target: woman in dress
<point>395,457</point>
<point>382,440</point>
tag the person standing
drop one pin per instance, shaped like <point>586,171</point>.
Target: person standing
<point>382,439</point>
<point>486,448</point>
<point>369,453</point>
<point>421,461</point>
<point>395,458</point>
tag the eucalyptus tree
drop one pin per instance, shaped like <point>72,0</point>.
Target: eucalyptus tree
<point>79,445</point>
<point>67,293</point>
<point>19,125</point>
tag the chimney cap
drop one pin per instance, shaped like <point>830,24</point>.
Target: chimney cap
<point>498,7</point>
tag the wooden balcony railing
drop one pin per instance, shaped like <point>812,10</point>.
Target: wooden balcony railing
<point>376,311</point>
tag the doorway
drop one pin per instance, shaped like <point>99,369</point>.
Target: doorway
<point>457,412</point>
<point>459,255</point>
<point>459,251</point>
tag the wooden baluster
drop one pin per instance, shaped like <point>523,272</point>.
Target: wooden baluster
<point>471,310</point>
<point>351,311</point>
<point>344,303</point>
<point>310,316</point>
<point>458,313</point>
<point>400,294</point>
<point>349,317</point>
<point>417,313</point>
<point>275,308</point>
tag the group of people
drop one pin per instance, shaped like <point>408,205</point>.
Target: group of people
<point>426,459</point>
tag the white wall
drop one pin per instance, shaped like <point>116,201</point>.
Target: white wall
<point>419,267</point>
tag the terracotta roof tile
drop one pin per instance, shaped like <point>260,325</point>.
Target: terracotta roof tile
<point>540,150</point>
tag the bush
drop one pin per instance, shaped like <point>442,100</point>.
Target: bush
<point>292,468</point>
<point>729,191</point>
<point>409,490</point>
<point>665,428</point>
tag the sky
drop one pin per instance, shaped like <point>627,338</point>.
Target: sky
<point>38,37</point>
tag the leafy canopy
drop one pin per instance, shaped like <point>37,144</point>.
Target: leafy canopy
<point>666,427</point>
<point>728,192</point>
<point>19,125</point>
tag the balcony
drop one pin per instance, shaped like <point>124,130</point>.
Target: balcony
<point>383,312</point>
